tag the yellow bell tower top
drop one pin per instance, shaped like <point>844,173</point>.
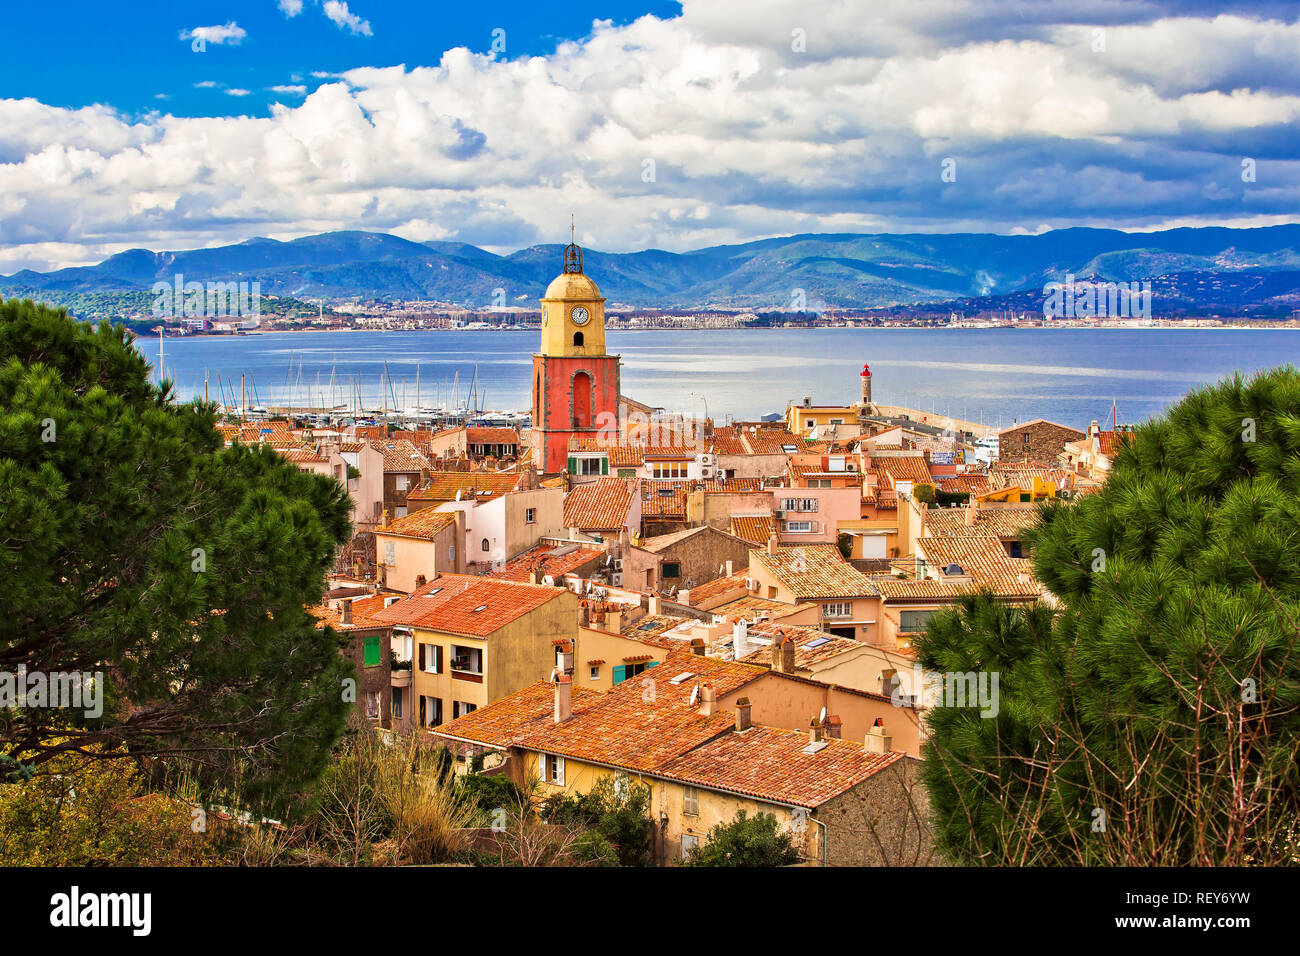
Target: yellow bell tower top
<point>573,311</point>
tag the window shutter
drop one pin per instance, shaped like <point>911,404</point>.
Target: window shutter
<point>559,771</point>
<point>423,711</point>
<point>422,647</point>
<point>541,767</point>
<point>650,664</point>
<point>620,673</point>
<point>371,651</point>
<point>604,466</point>
<point>573,465</point>
<point>437,658</point>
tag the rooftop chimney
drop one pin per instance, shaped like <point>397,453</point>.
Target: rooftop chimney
<point>730,572</point>
<point>697,646</point>
<point>347,611</point>
<point>742,714</point>
<point>563,698</point>
<point>834,728</point>
<point>535,575</point>
<point>652,606</point>
<point>584,615</point>
<point>878,742</point>
<point>814,731</point>
<point>772,543</point>
<point>783,655</point>
<point>614,620</point>
<point>740,639</point>
<point>708,700</point>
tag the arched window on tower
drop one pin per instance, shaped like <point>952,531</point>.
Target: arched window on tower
<point>582,400</point>
<point>577,339</point>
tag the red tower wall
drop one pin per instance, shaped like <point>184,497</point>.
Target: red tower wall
<point>555,404</point>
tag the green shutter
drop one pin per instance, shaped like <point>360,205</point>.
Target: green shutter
<point>620,673</point>
<point>604,466</point>
<point>573,465</point>
<point>372,651</point>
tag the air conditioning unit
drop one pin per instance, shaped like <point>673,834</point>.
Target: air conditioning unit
<point>751,584</point>
<point>706,459</point>
<point>618,564</point>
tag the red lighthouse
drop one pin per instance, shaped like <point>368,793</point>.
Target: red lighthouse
<point>868,408</point>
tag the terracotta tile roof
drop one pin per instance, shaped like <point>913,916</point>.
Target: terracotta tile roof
<point>492,436</point>
<point>351,447</point>
<point>663,499</point>
<point>919,589</point>
<point>770,764</point>
<point>811,645</point>
<point>445,485</point>
<point>814,571</point>
<point>726,441</point>
<point>466,604</point>
<point>302,456</point>
<point>555,561</point>
<point>662,541</point>
<point>772,441</point>
<point>600,505</point>
<point>715,587</point>
<point>1038,421</point>
<point>424,524</point>
<point>652,625</point>
<point>749,606</point>
<point>733,486</point>
<point>973,484</point>
<point>889,471</point>
<point>516,715</point>
<point>984,559</point>
<point>363,610</point>
<point>1001,522</point>
<point>375,433</point>
<point>640,730</point>
<point>401,456</point>
<point>755,528</point>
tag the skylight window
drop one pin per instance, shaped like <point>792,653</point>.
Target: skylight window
<point>817,642</point>
<point>481,607</point>
<point>815,746</point>
<point>682,678</point>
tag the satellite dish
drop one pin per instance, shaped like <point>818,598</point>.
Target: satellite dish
<point>695,694</point>
<point>555,672</point>
<point>821,718</point>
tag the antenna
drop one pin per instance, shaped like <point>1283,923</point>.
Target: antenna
<point>571,229</point>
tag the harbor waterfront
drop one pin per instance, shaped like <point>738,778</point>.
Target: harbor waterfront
<point>993,376</point>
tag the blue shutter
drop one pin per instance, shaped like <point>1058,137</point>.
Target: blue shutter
<point>620,673</point>
<point>650,664</point>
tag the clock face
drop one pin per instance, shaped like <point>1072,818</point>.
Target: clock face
<point>579,316</point>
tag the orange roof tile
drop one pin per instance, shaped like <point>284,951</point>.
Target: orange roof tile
<point>466,604</point>
<point>814,571</point>
<point>446,485</point>
<point>424,524</point>
<point>601,505</point>
<point>555,561</point>
<point>755,528</point>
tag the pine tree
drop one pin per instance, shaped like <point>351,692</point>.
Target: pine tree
<point>1149,712</point>
<point>134,544</point>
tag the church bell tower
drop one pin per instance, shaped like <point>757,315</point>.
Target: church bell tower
<point>575,383</point>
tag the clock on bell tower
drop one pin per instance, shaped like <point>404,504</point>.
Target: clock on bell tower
<point>575,383</point>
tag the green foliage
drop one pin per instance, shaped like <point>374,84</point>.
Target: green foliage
<point>490,792</point>
<point>924,494</point>
<point>136,545</point>
<point>845,543</point>
<point>1153,717</point>
<point>618,813</point>
<point>95,811</point>
<point>745,841</point>
<point>946,499</point>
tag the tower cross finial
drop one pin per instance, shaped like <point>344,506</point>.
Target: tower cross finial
<point>571,232</point>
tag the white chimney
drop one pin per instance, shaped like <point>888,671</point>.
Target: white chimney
<point>708,700</point>
<point>730,572</point>
<point>740,639</point>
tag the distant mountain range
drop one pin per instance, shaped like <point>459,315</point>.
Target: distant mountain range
<point>1212,269</point>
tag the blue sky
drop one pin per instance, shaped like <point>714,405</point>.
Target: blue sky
<point>659,125</point>
<point>132,57</point>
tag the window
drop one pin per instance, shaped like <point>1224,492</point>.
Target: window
<point>577,339</point>
<point>673,570</point>
<point>624,672</point>
<point>690,802</point>
<point>485,545</point>
<point>819,482</point>
<point>430,711</point>
<point>431,658</point>
<point>799,527</point>
<point>390,553</point>
<point>372,703</point>
<point>836,463</point>
<point>530,515</point>
<point>812,422</point>
<point>837,421</point>
<point>798,504</point>
<point>689,843</point>
<point>913,620</point>
<point>451,553</point>
<point>460,708</point>
<point>400,511</point>
<point>590,466</point>
<point>595,672</point>
<point>552,769</point>
<point>1026,438</point>
<point>466,660</point>
<point>620,784</point>
<point>397,702</point>
<point>837,609</point>
<point>670,469</point>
